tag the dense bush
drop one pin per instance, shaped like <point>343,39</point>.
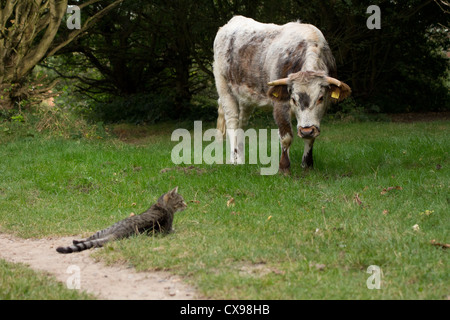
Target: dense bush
<point>138,108</point>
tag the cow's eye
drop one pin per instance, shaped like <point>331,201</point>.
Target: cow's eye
<point>293,100</point>
<point>320,100</point>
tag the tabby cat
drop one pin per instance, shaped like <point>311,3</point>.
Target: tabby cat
<point>158,218</point>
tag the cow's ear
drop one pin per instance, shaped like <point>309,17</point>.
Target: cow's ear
<point>279,93</point>
<point>340,93</point>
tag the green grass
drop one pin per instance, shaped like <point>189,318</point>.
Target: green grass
<point>310,235</point>
<point>17,282</point>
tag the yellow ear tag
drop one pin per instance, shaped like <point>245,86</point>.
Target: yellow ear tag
<point>275,94</point>
<point>335,94</point>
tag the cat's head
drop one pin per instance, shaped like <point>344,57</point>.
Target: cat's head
<point>173,200</point>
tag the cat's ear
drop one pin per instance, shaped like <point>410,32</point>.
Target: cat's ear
<point>168,194</point>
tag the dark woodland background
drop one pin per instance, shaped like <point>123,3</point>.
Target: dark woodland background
<point>148,61</point>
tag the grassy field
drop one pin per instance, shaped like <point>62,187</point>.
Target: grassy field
<point>17,282</point>
<point>379,194</point>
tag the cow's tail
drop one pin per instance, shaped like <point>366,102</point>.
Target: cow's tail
<point>221,125</point>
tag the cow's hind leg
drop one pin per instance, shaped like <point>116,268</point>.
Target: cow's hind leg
<point>221,121</point>
<point>231,113</point>
<point>228,111</point>
<point>282,116</point>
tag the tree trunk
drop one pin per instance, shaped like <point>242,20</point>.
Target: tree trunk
<point>22,22</point>
<point>183,94</point>
<point>183,59</point>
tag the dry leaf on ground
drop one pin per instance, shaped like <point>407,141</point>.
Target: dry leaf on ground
<point>230,202</point>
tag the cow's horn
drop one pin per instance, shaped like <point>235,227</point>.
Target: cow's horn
<point>339,84</point>
<point>334,81</point>
<point>279,82</point>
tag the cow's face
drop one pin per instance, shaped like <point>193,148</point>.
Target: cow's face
<point>309,94</point>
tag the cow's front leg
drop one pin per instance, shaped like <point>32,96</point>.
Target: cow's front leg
<point>236,141</point>
<point>307,159</point>
<point>282,116</point>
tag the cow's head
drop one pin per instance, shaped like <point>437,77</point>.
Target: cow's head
<point>309,94</point>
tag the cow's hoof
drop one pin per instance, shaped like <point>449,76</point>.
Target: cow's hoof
<point>285,171</point>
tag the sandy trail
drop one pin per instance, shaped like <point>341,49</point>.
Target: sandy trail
<point>105,282</point>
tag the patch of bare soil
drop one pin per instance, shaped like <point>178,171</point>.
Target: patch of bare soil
<point>105,282</point>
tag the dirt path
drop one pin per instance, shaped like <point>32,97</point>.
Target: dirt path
<point>117,282</point>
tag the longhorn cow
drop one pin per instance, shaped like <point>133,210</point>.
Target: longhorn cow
<point>289,67</point>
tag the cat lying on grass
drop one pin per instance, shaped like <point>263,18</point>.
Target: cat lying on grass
<point>158,218</point>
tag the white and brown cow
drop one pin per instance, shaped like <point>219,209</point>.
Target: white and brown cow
<point>289,67</point>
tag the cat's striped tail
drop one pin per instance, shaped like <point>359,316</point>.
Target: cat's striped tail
<point>83,245</point>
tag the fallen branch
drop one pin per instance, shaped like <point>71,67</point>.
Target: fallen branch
<point>442,245</point>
